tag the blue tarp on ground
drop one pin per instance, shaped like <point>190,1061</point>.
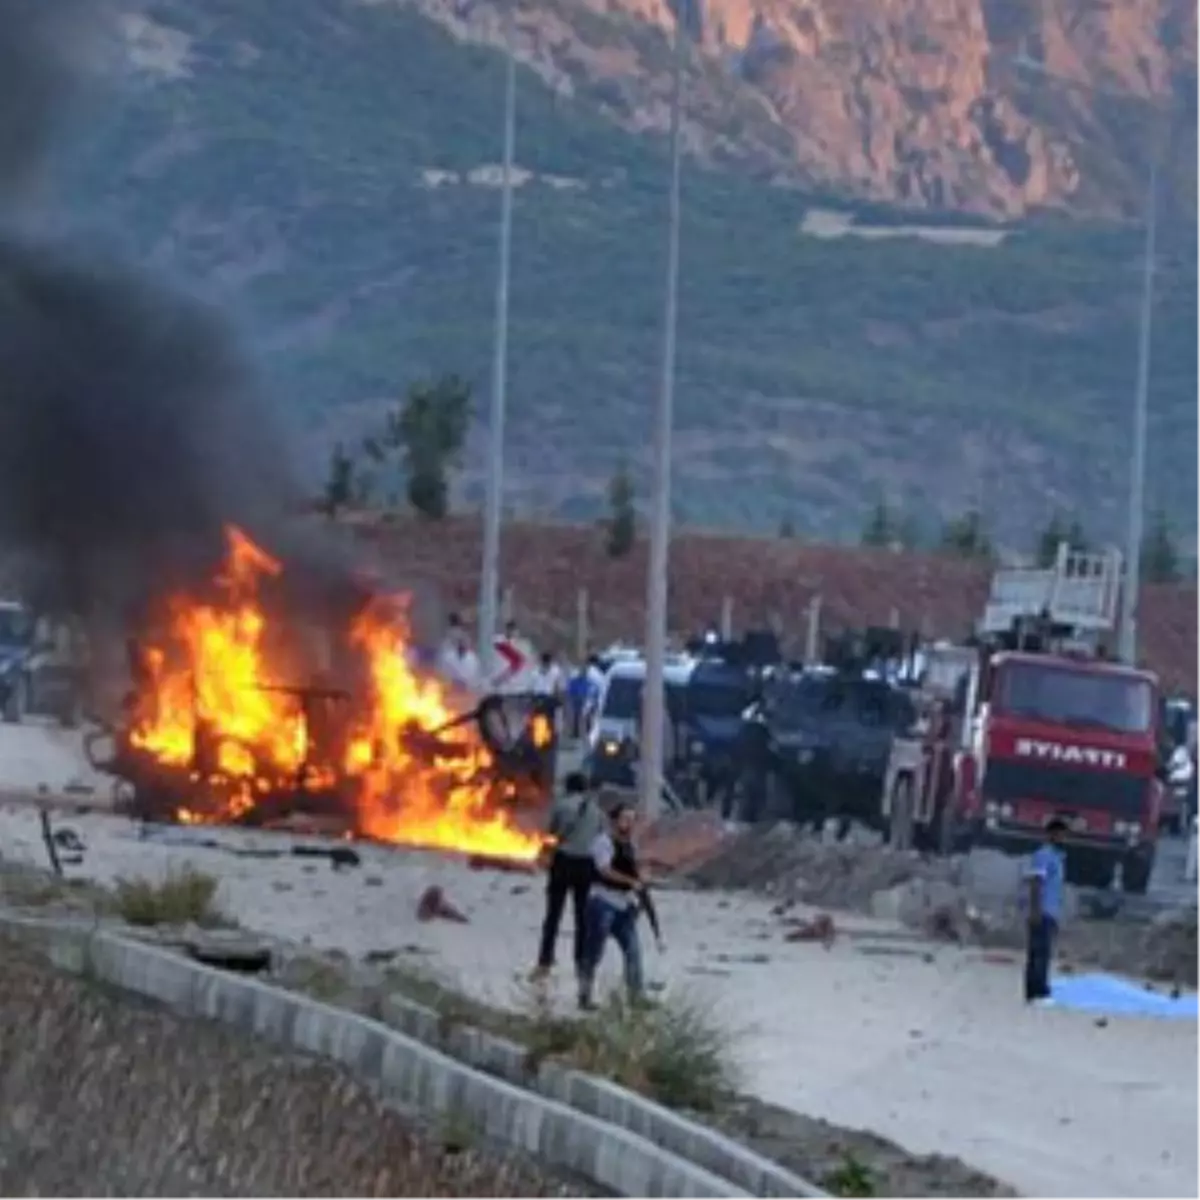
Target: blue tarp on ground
<point>1116,997</point>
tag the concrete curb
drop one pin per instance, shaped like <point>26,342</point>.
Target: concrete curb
<point>601,1099</point>
<point>409,1074</point>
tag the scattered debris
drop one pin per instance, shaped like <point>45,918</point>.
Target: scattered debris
<point>433,905</point>
<point>815,929</point>
<point>1102,905</point>
<point>380,956</point>
<point>490,862</point>
<point>339,856</point>
<point>48,839</point>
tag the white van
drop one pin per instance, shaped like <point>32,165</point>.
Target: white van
<point>616,730</point>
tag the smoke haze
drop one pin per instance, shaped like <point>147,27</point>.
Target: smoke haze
<point>130,426</point>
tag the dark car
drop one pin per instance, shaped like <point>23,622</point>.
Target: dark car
<point>816,746</point>
<point>715,700</point>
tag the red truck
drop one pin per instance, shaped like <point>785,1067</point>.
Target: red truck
<point>1014,736</point>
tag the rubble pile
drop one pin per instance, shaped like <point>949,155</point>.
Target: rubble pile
<point>972,898</point>
<point>803,867</point>
<point>1169,947</point>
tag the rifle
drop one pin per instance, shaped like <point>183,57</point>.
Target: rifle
<point>646,904</point>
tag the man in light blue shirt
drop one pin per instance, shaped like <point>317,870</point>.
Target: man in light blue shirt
<point>1047,877</point>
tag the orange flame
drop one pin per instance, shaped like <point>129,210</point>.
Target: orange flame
<point>210,692</point>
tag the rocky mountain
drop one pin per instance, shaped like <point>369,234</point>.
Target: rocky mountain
<point>928,103</point>
<point>325,171</point>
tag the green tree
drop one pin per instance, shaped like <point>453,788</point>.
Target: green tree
<point>1077,539</point>
<point>1057,532</point>
<point>339,486</point>
<point>966,536</point>
<point>880,527</point>
<point>1160,555</point>
<point>622,514</point>
<point>427,431</point>
<point>1049,540</point>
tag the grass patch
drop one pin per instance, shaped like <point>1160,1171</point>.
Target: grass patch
<point>851,1177</point>
<point>183,896</point>
<point>674,1051</point>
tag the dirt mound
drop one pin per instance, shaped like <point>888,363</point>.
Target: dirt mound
<point>1169,947</point>
<point>800,867</point>
<point>101,1096</point>
<point>971,899</point>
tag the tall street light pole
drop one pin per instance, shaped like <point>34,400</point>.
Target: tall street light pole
<point>654,694</point>
<point>1135,519</point>
<point>1127,643</point>
<point>489,575</point>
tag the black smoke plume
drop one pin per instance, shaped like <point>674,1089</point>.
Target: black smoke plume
<point>131,430</point>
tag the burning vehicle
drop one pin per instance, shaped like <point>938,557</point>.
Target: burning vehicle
<point>138,446</point>
<point>238,714</point>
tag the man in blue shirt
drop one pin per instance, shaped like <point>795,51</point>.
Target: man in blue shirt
<point>1046,875</point>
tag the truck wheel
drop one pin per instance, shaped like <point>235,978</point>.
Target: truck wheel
<point>778,804</point>
<point>900,825</point>
<point>1136,871</point>
<point>946,825</point>
<point>18,701</point>
<point>71,716</point>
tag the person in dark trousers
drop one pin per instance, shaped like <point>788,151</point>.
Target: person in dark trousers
<point>577,693</point>
<point>617,897</point>
<point>574,823</point>
<point>1046,876</point>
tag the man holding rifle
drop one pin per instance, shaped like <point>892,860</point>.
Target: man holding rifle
<point>619,894</point>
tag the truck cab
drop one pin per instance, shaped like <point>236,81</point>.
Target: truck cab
<point>1034,723</point>
<point>1075,739</point>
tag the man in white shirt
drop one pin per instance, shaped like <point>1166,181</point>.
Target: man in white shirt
<point>547,678</point>
<point>457,662</point>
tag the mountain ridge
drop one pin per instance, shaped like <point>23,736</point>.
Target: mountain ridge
<point>916,102</point>
<point>327,175</point>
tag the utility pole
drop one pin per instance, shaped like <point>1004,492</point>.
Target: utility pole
<point>654,695</point>
<point>1127,639</point>
<point>1137,469</point>
<point>489,574</point>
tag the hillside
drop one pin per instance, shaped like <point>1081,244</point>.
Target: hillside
<point>325,170</point>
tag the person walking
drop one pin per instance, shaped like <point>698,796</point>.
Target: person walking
<point>574,823</point>
<point>616,899</point>
<point>1046,876</point>
<point>577,694</point>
